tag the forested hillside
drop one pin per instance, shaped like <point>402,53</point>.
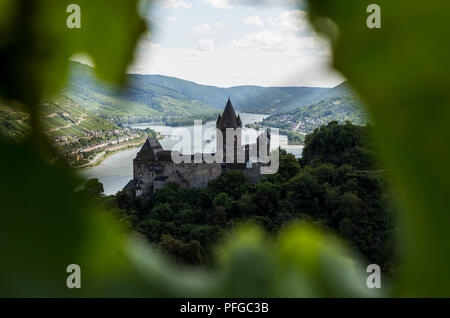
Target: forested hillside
<point>139,100</point>
<point>339,104</point>
<point>305,119</point>
<point>61,116</point>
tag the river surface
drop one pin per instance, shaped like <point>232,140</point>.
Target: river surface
<point>115,171</point>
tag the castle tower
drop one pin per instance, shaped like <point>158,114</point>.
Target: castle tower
<point>228,119</point>
<point>147,164</point>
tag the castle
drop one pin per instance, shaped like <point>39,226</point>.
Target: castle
<point>153,167</point>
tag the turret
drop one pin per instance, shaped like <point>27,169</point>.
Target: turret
<point>228,119</point>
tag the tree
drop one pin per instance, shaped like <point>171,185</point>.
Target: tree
<point>219,216</point>
<point>305,194</point>
<point>186,216</point>
<point>163,212</point>
<point>289,165</point>
<point>349,206</point>
<point>233,183</point>
<point>94,187</point>
<point>325,173</point>
<point>246,205</point>
<point>339,145</point>
<point>224,200</point>
<point>183,253</point>
<point>267,197</point>
<point>124,200</point>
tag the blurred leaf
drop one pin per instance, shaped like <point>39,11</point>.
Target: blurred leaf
<point>36,44</point>
<point>401,70</point>
<point>44,226</point>
<point>302,261</point>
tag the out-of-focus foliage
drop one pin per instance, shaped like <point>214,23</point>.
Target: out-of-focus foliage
<point>45,226</point>
<point>301,262</point>
<point>36,44</point>
<point>402,73</point>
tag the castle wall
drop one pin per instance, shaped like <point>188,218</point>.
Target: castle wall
<point>191,175</point>
<point>196,175</point>
<point>146,172</point>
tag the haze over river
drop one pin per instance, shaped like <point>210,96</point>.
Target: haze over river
<point>115,171</point>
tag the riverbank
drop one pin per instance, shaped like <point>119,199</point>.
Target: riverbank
<point>106,153</point>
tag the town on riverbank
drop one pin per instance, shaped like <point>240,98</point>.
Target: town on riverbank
<point>95,146</point>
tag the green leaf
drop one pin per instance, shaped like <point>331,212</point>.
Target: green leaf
<point>401,71</point>
<point>36,44</point>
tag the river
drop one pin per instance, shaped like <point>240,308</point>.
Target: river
<point>115,171</point>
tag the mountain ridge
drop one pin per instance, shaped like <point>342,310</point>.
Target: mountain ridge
<point>247,98</point>
<point>85,102</point>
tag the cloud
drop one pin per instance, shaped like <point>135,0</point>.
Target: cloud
<point>228,66</point>
<point>289,33</point>
<point>265,40</point>
<point>291,45</point>
<point>207,28</point>
<point>150,45</point>
<point>170,18</point>
<point>275,53</point>
<point>220,4</point>
<point>202,29</point>
<point>220,25</point>
<point>295,20</point>
<point>176,4</point>
<point>155,46</point>
<point>192,53</point>
<point>254,3</point>
<point>255,20</point>
<point>205,45</point>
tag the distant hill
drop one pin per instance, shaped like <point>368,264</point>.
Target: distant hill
<point>139,99</point>
<point>246,98</point>
<point>61,116</point>
<point>86,104</point>
<point>336,104</point>
<point>343,90</point>
<point>164,97</point>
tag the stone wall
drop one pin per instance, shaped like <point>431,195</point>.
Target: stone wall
<point>196,175</point>
<point>189,175</point>
<point>146,172</point>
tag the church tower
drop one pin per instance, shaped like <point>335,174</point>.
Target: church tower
<point>228,119</point>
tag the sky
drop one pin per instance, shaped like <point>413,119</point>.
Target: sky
<point>234,42</point>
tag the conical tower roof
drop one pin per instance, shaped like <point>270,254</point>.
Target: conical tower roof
<point>149,150</point>
<point>229,118</point>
